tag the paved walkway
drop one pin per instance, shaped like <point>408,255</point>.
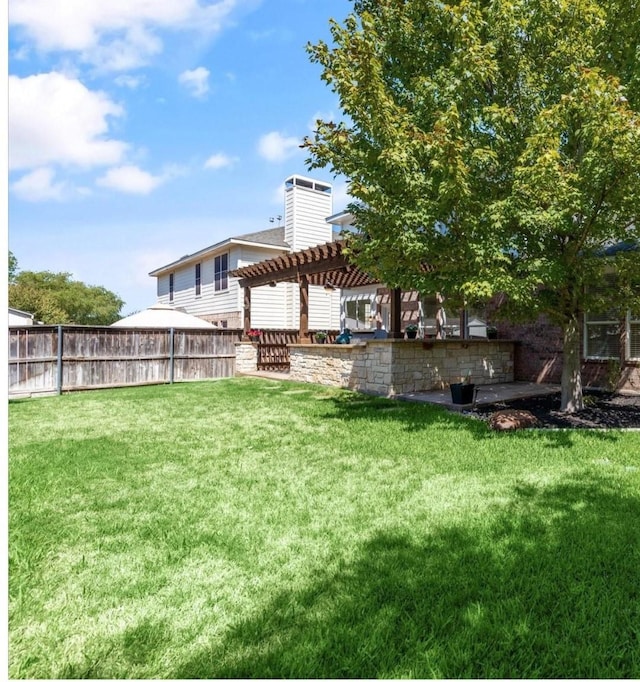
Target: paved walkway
<point>487,393</point>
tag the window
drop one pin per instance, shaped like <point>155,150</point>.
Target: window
<point>221,276</point>
<point>633,336</point>
<point>435,311</point>
<point>171,284</point>
<point>601,336</point>
<point>358,314</point>
<point>198,280</point>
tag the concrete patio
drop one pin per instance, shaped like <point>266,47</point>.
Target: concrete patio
<point>487,393</point>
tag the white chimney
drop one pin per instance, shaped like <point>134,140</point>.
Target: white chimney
<point>307,205</point>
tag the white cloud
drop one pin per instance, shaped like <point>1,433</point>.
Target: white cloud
<point>56,119</point>
<point>219,160</point>
<point>38,185</point>
<point>276,147</point>
<point>196,81</point>
<point>131,180</point>
<point>127,81</point>
<point>117,34</point>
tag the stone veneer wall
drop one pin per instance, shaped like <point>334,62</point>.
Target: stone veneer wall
<point>390,367</point>
<point>246,357</point>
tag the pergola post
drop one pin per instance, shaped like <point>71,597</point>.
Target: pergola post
<point>304,309</point>
<point>396,314</point>
<point>246,325</point>
<point>464,323</point>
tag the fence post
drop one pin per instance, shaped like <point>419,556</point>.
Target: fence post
<point>59,381</point>
<point>171,356</point>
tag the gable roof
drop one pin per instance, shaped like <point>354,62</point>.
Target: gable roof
<point>272,238</point>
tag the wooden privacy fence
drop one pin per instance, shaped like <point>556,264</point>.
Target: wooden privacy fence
<point>52,359</point>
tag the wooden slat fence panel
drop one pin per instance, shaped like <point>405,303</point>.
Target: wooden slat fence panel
<point>202,355</point>
<point>33,358</point>
<point>97,357</point>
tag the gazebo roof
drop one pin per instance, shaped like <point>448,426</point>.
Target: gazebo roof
<point>324,264</point>
<point>161,316</point>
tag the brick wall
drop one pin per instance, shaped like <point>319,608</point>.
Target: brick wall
<point>538,357</point>
<point>538,352</point>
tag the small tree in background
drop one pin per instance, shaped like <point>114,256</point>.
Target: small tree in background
<point>55,298</point>
<point>12,269</point>
<point>497,140</point>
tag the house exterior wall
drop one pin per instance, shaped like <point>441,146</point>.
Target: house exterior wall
<point>307,204</point>
<point>224,307</point>
<point>538,357</point>
<point>18,318</point>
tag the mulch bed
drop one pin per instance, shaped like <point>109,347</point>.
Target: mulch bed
<point>602,411</point>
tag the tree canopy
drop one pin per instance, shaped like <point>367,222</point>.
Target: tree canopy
<point>55,298</point>
<point>497,140</point>
<point>13,267</point>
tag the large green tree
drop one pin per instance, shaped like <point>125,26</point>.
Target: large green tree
<point>55,298</point>
<point>12,269</point>
<point>497,140</point>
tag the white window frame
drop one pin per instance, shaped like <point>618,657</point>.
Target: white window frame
<point>599,323</point>
<point>221,282</point>
<point>198,280</point>
<point>366,301</point>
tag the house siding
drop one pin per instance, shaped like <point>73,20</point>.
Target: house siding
<point>306,211</point>
<point>220,306</point>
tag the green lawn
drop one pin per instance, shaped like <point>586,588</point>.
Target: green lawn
<point>251,528</point>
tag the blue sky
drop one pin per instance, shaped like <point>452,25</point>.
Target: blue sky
<point>143,130</point>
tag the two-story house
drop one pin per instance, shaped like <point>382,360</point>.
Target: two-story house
<point>200,283</point>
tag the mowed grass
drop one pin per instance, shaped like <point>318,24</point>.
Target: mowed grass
<point>251,528</point>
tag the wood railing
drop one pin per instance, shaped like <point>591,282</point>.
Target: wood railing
<point>273,348</point>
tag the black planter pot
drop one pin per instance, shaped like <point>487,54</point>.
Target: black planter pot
<point>412,335</point>
<point>462,394</point>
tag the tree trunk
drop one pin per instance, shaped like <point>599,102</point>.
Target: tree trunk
<point>571,396</point>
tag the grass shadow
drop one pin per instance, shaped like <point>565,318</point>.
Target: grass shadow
<point>417,416</point>
<point>549,588</point>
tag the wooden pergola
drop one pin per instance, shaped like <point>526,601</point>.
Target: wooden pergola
<point>322,265</point>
